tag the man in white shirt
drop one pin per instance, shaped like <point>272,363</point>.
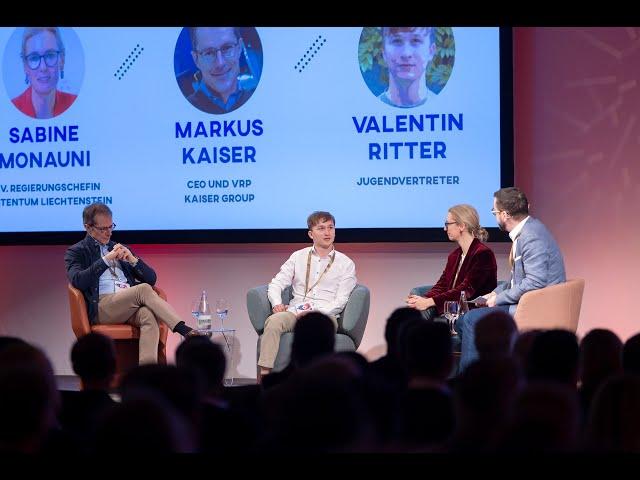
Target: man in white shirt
<point>321,279</point>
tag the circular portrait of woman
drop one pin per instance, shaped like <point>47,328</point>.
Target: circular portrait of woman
<point>43,70</point>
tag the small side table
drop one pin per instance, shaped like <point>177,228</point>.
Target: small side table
<point>226,338</point>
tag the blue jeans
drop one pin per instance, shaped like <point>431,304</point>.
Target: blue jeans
<point>466,328</point>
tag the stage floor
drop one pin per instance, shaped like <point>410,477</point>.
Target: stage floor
<point>72,382</point>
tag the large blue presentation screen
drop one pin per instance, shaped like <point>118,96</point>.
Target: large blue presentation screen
<point>223,128</point>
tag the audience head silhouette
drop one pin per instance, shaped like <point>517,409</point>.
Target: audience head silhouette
<point>495,334</point>
<point>93,359</point>
<point>200,354</point>
<point>313,336</point>
<point>29,399</point>
<point>631,355</point>
<point>554,357</point>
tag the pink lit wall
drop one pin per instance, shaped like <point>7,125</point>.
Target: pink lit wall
<point>577,144</point>
<point>577,152</point>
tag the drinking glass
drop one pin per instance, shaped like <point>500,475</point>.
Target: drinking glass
<point>222,310</point>
<point>452,312</point>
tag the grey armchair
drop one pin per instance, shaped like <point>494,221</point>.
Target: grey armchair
<point>351,322</point>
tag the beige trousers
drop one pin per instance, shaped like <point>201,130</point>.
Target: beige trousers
<point>274,327</point>
<point>141,306</point>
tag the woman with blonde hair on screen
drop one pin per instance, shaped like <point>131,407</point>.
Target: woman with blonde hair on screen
<point>43,58</point>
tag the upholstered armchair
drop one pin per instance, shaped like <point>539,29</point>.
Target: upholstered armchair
<point>125,336</point>
<point>555,306</point>
<point>351,322</point>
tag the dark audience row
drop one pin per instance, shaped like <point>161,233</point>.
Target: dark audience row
<point>537,391</point>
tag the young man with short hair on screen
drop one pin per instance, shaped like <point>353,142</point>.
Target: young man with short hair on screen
<point>321,278</point>
<point>407,52</point>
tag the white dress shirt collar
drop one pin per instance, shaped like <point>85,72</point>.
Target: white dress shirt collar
<point>315,252</point>
<point>518,228</point>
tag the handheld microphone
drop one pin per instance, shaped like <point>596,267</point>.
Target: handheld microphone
<point>480,301</point>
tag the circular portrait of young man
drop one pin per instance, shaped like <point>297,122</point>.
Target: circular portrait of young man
<point>405,66</point>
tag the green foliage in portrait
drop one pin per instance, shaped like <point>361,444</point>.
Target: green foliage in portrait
<point>438,71</point>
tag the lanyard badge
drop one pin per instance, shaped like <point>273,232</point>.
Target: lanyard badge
<point>308,288</point>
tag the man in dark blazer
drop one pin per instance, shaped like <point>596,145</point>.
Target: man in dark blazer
<point>117,285</point>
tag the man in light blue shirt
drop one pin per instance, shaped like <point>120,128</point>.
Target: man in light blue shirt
<point>112,274</point>
<point>117,285</point>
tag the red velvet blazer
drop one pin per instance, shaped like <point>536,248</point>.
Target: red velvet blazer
<point>478,275</point>
<point>61,103</point>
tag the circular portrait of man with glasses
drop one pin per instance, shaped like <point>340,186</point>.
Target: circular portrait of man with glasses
<point>43,70</point>
<point>405,66</point>
<point>218,68</point>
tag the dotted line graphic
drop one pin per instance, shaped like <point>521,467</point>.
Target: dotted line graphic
<point>310,53</point>
<point>128,62</point>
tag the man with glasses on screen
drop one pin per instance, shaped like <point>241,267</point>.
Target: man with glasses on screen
<point>535,260</point>
<point>216,52</point>
<point>321,279</point>
<point>117,285</point>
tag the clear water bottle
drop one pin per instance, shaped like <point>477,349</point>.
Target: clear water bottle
<point>204,313</point>
<point>464,306</point>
